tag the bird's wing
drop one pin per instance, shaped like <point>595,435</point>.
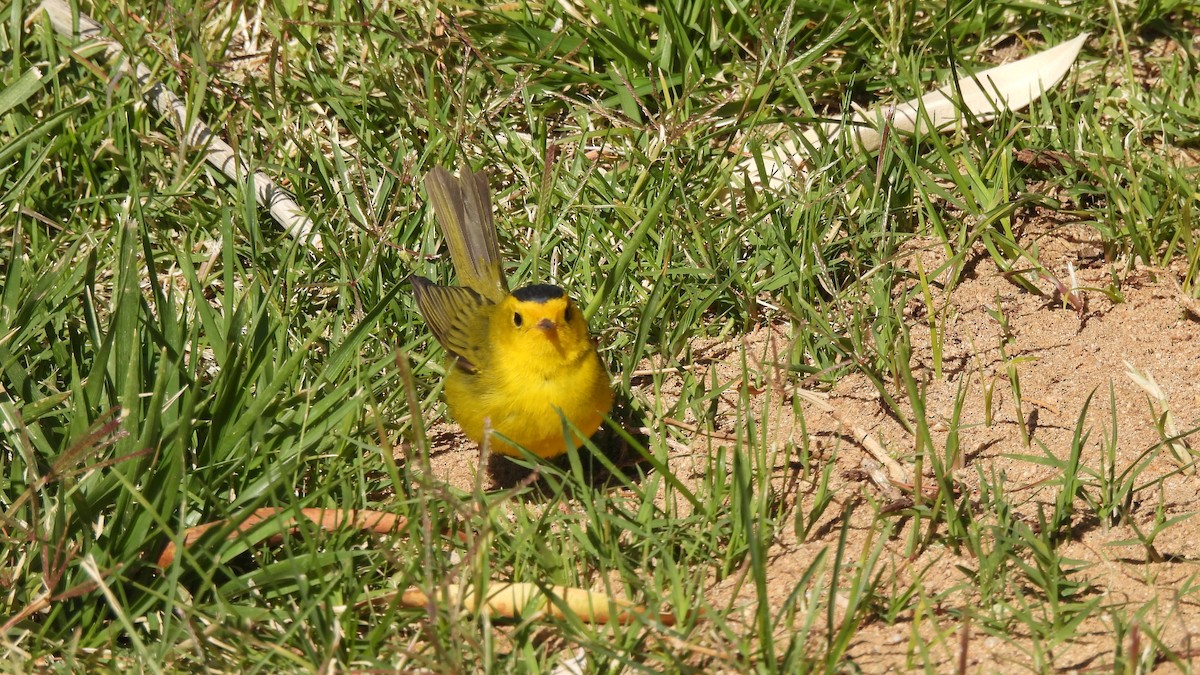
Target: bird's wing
<point>458,318</point>
<point>464,210</point>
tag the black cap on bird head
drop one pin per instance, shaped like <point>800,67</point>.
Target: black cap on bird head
<point>539,293</point>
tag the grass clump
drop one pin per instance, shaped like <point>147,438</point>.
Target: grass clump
<point>169,357</point>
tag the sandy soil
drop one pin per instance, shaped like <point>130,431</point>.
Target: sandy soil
<point>1062,355</point>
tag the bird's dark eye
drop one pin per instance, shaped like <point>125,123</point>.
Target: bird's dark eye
<point>517,320</point>
<point>567,314</point>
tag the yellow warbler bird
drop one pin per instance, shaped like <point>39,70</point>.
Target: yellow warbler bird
<point>518,362</point>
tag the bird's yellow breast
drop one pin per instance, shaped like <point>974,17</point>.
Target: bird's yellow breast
<point>540,367</point>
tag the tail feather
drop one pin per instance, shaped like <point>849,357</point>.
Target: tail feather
<point>464,210</point>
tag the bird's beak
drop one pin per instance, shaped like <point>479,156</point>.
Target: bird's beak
<point>547,326</point>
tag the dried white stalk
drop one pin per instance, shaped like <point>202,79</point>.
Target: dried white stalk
<point>1179,448</point>
<point>529,601</point>
<point>194,133</point>
<point>1008,87</point>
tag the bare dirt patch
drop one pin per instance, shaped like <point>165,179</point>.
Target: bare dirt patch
<point>1060,356</point>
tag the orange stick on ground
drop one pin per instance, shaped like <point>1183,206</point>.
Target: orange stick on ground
<point>379,522</point>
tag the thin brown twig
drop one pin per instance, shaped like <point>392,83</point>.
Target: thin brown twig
<point>378,522</point>
<point>898,473</point>
<point>689,427</point>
